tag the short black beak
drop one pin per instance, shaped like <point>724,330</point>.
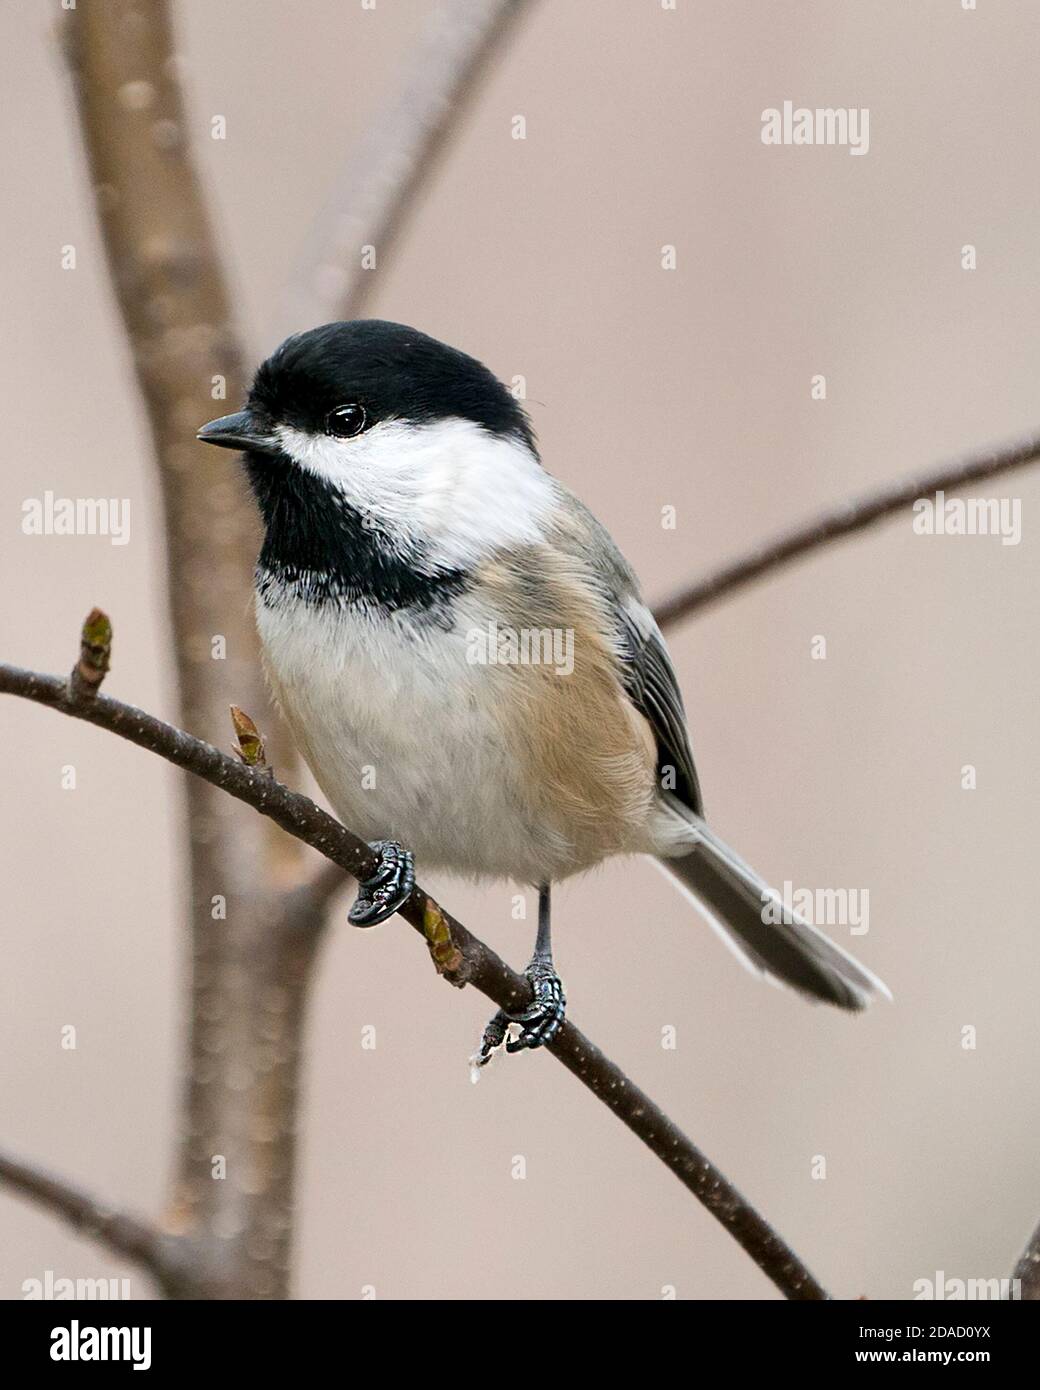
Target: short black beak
<point>239,431</point>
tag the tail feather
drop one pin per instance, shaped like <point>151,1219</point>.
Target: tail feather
<point>780,944</point>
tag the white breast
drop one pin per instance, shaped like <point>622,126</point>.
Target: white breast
<point>400,732</point>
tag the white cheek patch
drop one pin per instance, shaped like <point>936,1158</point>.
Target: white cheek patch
<point>448,487</point>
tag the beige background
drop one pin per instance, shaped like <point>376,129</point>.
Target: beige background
<point>648,388</point>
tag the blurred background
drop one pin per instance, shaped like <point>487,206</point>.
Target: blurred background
<point>649,388</point>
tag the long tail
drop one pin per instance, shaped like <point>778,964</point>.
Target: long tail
<point>778,941</point>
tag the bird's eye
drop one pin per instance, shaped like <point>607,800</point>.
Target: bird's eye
<point>346,421</point>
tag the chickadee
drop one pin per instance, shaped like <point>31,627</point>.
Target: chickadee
<point>420,572</point>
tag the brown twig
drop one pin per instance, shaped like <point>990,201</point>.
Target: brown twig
<point>118,1231</point>
<point>401,149</point>
<point>843,520</point>
<point>461,957</point>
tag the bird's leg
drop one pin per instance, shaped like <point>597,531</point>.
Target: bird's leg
<point>540,1021</point>
<point>387,889</point>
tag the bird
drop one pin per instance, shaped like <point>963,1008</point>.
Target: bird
<point>465,659</point>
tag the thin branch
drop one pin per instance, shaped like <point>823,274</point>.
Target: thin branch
<point>401,150</point>
<point>123,1234</point>
<point>843,520</point>
<point>458,955</point>
<point>1028,1268</point>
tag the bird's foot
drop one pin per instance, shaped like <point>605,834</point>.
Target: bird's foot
<point>538,1024</point>
<point>389,887</point>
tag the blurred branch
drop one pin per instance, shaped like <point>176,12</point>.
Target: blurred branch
<point>124,1235</point>
<point>458,955</point>
<point>175,304</point>
<point>1028,1268</point>
<point>843,520</point>
<point>400,152</point>
<point>248,985</point>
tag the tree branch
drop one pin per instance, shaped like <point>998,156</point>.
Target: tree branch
<point>175,304</point>
<point>458,955</point>
<point>127,1236</point>
<point>843,520</point>
<point>401,150</point>
<point>172,294</point>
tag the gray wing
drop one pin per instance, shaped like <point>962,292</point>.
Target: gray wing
<point>649,680</point>
<point>647,673</point>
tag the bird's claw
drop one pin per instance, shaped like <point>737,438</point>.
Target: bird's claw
<point>388,889</point>
<point>538,1024</point>
<point>494,1037</point>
